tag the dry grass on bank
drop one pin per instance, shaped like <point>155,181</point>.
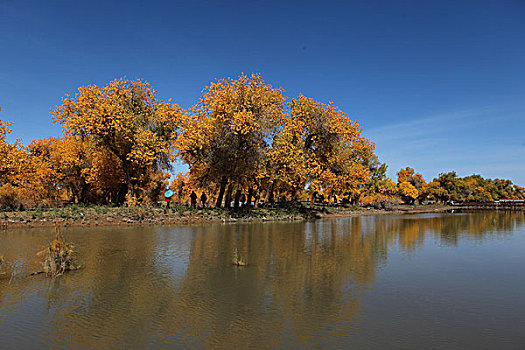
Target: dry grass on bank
<point>79,215</point>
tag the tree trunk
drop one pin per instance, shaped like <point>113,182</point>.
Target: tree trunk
<point>228,199</point>
<point>269,193</point>
<point>127,176</point>
<point>222,187</point>
<point>249,197</point>
<point>257,198</point>
<point>294,196</point>
<point>237,197</point>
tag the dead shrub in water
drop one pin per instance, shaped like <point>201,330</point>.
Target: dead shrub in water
<point>58,257</point>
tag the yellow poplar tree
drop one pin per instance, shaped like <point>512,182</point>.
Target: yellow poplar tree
<point>408,192</point>
<point>286,160</point>
<point>335,153</point>
<point>416,180</point>
<point>12,157</point>
<point>14,168</point>
<point>127,119</point>
<point>225,137</point>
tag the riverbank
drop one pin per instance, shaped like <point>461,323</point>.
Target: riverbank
<point>76,215</point>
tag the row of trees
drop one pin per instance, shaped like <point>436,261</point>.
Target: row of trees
<point>449,187</point>
<point>117,141</point>
<point>243,139</point>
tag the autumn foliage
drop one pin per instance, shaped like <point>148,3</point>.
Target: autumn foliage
<point>226,137</point>
<point>243,141</point>
<point>128,126</point>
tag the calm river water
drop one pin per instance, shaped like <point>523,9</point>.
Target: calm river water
<point>440,281</point>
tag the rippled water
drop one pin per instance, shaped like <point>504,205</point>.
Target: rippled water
<point>451,281</point>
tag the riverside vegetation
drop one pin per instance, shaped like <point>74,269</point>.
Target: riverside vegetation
<point>243,142</point>
<point>94,215</point>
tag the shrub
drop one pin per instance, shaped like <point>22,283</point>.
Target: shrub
<point>58,257</point>
<point>9,197</point>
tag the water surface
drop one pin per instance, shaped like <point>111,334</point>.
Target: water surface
<point>426,281</point>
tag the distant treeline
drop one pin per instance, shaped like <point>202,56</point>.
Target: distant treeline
<point>243,141</point>
<point>449,187</point>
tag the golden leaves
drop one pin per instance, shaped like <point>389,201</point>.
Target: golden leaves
<point>406,189</point>
<point>119,138</point>
<point>12,157</point>
<point>125,119</point>
<point>418,188</point>
<point>226,133</point>
<point>334,153</point>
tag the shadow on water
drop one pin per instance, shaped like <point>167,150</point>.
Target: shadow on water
<point>176,286</point>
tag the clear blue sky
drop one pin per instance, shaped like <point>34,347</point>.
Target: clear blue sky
<point>437,85</point>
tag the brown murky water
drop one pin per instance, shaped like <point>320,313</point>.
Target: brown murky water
<point>447,281</point>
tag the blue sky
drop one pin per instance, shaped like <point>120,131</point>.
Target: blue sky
<point>437,85</point>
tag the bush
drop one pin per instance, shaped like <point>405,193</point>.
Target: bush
<point>9,197</point>
<point>58,257</point>
<point>385,204</point>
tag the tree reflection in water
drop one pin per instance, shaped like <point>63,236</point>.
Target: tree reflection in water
<point>159,287</point>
